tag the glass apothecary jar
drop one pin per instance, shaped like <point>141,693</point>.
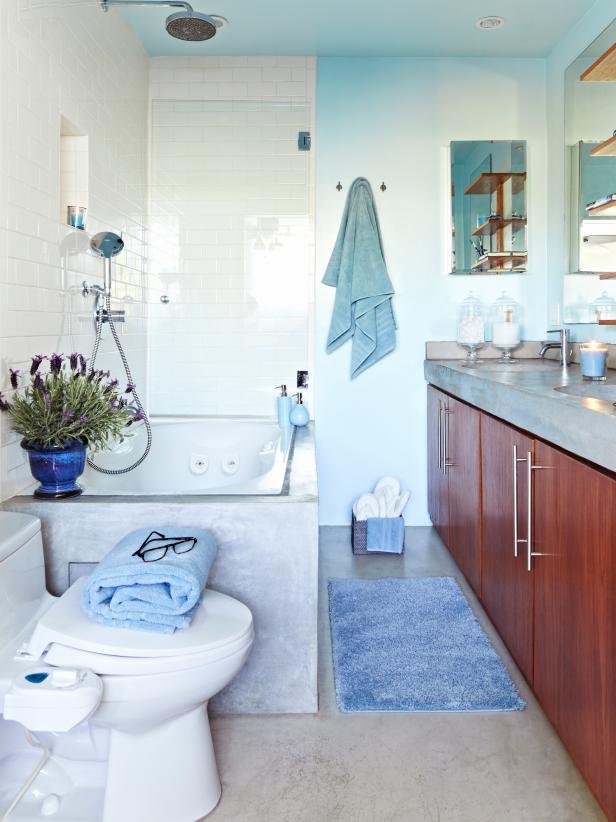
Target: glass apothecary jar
<point>506,326</point>
<point>603,308</point>
<point>471,329</point>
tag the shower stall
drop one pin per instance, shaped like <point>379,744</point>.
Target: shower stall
<point>229,287</point>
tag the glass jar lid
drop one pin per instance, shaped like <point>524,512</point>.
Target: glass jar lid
<point>506,309</point>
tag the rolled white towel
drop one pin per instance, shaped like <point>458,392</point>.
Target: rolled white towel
<point>390,483</point>
<point>400,503</point>
<point>366,506</point>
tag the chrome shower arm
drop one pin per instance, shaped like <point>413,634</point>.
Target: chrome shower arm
<point>173,4</point>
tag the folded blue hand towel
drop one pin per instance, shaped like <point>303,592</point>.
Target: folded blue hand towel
<point>385,535</point>
<point>152,580</point>
<point>357,270</point>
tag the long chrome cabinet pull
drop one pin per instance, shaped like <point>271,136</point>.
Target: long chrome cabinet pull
<point>516,460</point>
<point>529,545</point>
<point>446,464</point>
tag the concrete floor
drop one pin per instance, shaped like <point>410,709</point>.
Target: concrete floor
<point>333,767</point>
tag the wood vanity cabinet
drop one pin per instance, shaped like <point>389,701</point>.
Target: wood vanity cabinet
<point>438,494</point>
<point>454,479</point>
<point>555,609</point>
<point>575,611</point>
<point>506,586</point>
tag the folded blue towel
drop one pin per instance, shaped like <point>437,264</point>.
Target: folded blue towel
<point>357,270</point>
<point>385,535</point>
<point>152,580</point>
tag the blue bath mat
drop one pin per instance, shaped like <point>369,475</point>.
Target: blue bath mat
<point>413,645</point>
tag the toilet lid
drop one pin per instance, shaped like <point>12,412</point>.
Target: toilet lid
<point>219,620</point>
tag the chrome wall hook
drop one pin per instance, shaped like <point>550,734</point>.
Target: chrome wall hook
<point>339,186</point>
<point>383,187</point>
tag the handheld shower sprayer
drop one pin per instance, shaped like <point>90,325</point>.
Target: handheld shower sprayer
<point>107,245</point>
<point>187,24</point>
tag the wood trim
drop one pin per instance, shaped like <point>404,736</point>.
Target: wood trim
<point>605,149</point>
<point>602,70</point>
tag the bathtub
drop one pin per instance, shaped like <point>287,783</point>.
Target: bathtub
<point>197,455</point>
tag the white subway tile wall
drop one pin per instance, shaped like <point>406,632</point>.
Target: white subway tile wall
<point>232,243</point>
<point>232,232</point>
<point>67,60</point>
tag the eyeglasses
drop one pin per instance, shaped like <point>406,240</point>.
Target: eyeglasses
<point>156,545</point>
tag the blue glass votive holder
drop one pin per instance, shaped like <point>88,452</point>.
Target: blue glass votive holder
<point>76,216</point>
<point>593,361</point>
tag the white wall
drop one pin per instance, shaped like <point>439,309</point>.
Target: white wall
<point>66,60</point>
<point>391,120</point>
<point>232,202</point>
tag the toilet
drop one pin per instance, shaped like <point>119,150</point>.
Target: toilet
<point>135,701</point>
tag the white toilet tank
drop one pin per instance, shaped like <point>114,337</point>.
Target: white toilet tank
<point>22,571</point>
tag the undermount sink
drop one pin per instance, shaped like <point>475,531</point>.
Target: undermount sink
<point>595,391</point>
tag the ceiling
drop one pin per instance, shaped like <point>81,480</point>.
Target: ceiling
<point>358,28</point>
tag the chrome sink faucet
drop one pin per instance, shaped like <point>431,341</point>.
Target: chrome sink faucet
<point>564,344</point>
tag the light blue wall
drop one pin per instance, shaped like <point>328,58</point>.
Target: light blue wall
<point>392,120</point>
<point>578,38</point>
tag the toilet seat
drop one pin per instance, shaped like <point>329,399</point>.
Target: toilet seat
<point>221,626</point>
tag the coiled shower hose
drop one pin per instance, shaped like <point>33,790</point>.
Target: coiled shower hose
<point>129,377</point>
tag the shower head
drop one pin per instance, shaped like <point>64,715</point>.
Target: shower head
<point>107,244</point>
<point>193,26</point>
<point>187,24</point>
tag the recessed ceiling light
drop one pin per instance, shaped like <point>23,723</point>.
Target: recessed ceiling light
<point>489,23</point>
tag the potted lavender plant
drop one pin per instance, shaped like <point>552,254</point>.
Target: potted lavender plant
<point>62,412</point>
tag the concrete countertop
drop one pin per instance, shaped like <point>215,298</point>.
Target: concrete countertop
<point>524,396</point>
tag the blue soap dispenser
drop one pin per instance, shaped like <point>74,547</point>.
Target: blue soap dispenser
<point>283,407</point>
<point>299,413</point>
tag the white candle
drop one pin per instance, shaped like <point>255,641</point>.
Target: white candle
<point>506,334</point>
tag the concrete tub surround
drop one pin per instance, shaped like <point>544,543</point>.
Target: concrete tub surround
<point>267,545</point>
<point>524,396</point>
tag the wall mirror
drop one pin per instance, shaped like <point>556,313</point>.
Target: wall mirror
<point>590,150</point>
<point>488,200</point>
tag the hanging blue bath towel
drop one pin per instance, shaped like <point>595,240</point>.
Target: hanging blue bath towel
<point>357,270</point>
<point>152,580</point>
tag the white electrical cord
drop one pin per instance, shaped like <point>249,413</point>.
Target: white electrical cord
<point>39,767</point>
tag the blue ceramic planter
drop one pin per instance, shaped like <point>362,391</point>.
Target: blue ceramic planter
<point>56,468</point>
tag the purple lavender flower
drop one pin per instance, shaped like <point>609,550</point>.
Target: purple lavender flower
<point>37,359</point>
<point>37,383</point>
<point>4,406</point>
<point>130,388</point>
<point>82,365</point>
<point>68,415</point>
<point>74,361</point>
<point>91,374</point>
<point>14,377</point>
<point>113,384</point>
<point>55,363</point>
<point>83,420</point>
<point>138,416</point>
<point>114,404</point>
